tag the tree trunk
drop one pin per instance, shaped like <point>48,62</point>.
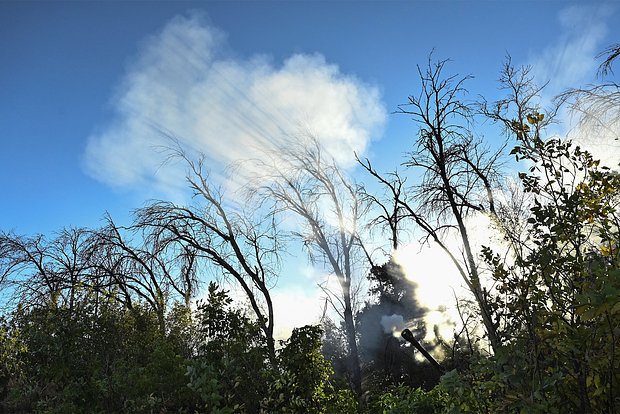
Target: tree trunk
<point>354,359</point>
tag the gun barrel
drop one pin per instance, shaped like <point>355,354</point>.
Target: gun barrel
<point>408,336</point>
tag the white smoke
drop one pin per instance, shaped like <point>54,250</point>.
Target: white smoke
<point>393,324</point>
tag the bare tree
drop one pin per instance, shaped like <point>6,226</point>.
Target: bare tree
<point>390,204</point>
<point>80,263</point>
<point>610,54</point>
<point>40,271</point>
<point>596,108</point>
<point>239,245</point>
<point>519,115</point>
<point>458,176</point>
<point>306,182</point>
<point>137,265</point>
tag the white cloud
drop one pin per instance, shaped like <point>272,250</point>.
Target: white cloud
<point>229,109</point>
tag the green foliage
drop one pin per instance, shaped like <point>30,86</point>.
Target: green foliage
<point>558,300</point>
<point>406,400</point>
<point>301,357</point>
<point>11,350</point>
<point>302,385</point>
<point>101,357</point>
<point>231,367</point>
<point>204,380</point>
<point>98,358</point>
<point>232,372</point>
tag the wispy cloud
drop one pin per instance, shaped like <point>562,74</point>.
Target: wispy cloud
<point>183,84</point>
<point>570,60</point>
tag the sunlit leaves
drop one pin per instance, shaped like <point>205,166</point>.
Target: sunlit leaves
<point>560,301</point>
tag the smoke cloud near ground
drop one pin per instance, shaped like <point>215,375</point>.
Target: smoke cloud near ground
<point>438,282</point>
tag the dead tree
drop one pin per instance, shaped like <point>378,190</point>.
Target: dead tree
<point>458,176</point>
<point>136,266</point>
<point>241,246</point>
<point>305,182</point>
<point>610,54</point>
<point>389,205</point>
<point>596,108</point>
<point>53,272</point>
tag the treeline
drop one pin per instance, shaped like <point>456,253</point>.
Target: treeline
<point>105,320</point>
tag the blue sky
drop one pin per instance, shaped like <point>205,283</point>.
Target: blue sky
<point>63,63</point>
<point>80,81</point>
